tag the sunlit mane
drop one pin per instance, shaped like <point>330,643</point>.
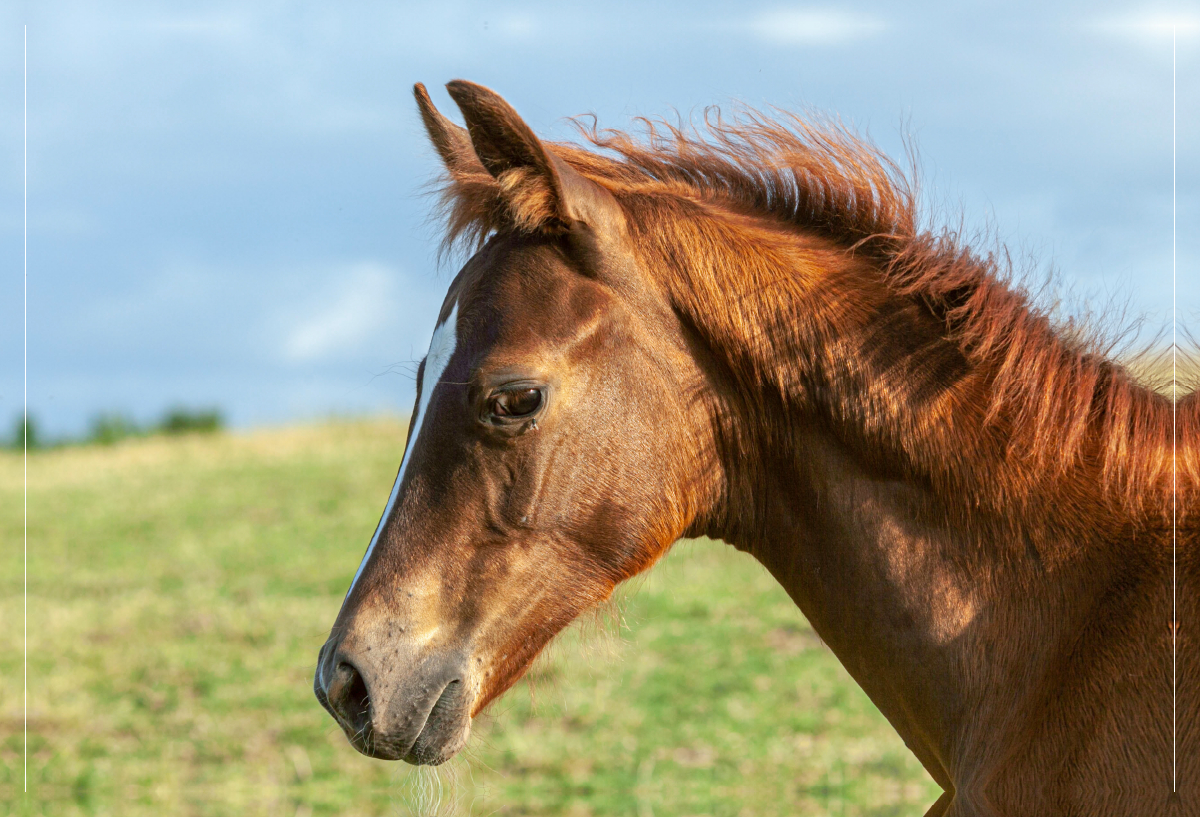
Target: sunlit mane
<point>1060,399</point>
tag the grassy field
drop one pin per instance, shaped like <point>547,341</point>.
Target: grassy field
<point>179,589</point>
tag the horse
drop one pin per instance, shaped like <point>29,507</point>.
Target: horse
<point>740,331</point>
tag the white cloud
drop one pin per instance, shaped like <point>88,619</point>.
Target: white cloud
<point>348,318</point>
<point>520,26</point>
<point>813,26</point>
<point>1150,27</point>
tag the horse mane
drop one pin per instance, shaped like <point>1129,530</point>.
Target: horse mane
<point>1064,398</point>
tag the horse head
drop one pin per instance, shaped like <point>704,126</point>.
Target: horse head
<point>552,451</point>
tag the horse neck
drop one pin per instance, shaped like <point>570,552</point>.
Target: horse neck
<point>863,464</point>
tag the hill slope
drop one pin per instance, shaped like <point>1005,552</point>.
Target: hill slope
<point>179,589</point>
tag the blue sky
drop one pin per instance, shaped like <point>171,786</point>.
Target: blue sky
<point>225,200</point>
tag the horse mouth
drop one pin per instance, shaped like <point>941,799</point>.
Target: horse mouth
<point>442,734</point>
<point>423,718</point>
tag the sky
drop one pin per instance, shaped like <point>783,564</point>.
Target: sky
<point>226,206</point>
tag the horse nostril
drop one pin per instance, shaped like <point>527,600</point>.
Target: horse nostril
<point>349,698</point>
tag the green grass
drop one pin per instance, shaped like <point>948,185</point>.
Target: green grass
<point>179,589</point>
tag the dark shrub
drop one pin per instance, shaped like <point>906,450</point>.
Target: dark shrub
<point>23,427</point>
<point>182,421</point>
<point>107,429</point>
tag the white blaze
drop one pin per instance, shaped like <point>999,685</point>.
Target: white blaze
<point>441,349</point>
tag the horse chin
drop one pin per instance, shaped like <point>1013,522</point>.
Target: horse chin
<point>431,750</point>
<point>445,731</point>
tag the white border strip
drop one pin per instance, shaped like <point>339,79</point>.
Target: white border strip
<point>25,414</point>
<point>1174,483</point>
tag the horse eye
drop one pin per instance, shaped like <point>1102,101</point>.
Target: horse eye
<point>516,402</point>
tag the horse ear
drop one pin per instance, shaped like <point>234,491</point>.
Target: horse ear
<point>451,141</point>
<point>538,186</point>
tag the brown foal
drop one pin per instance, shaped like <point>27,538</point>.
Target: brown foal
<point>745,336</point>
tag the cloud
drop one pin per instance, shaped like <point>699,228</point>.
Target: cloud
<point>813,26</point>
<point>349,318</point>
<point>517,26</point>
<point>1150,28</point>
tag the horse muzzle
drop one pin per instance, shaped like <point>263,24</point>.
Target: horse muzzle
<point>416,711</point>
